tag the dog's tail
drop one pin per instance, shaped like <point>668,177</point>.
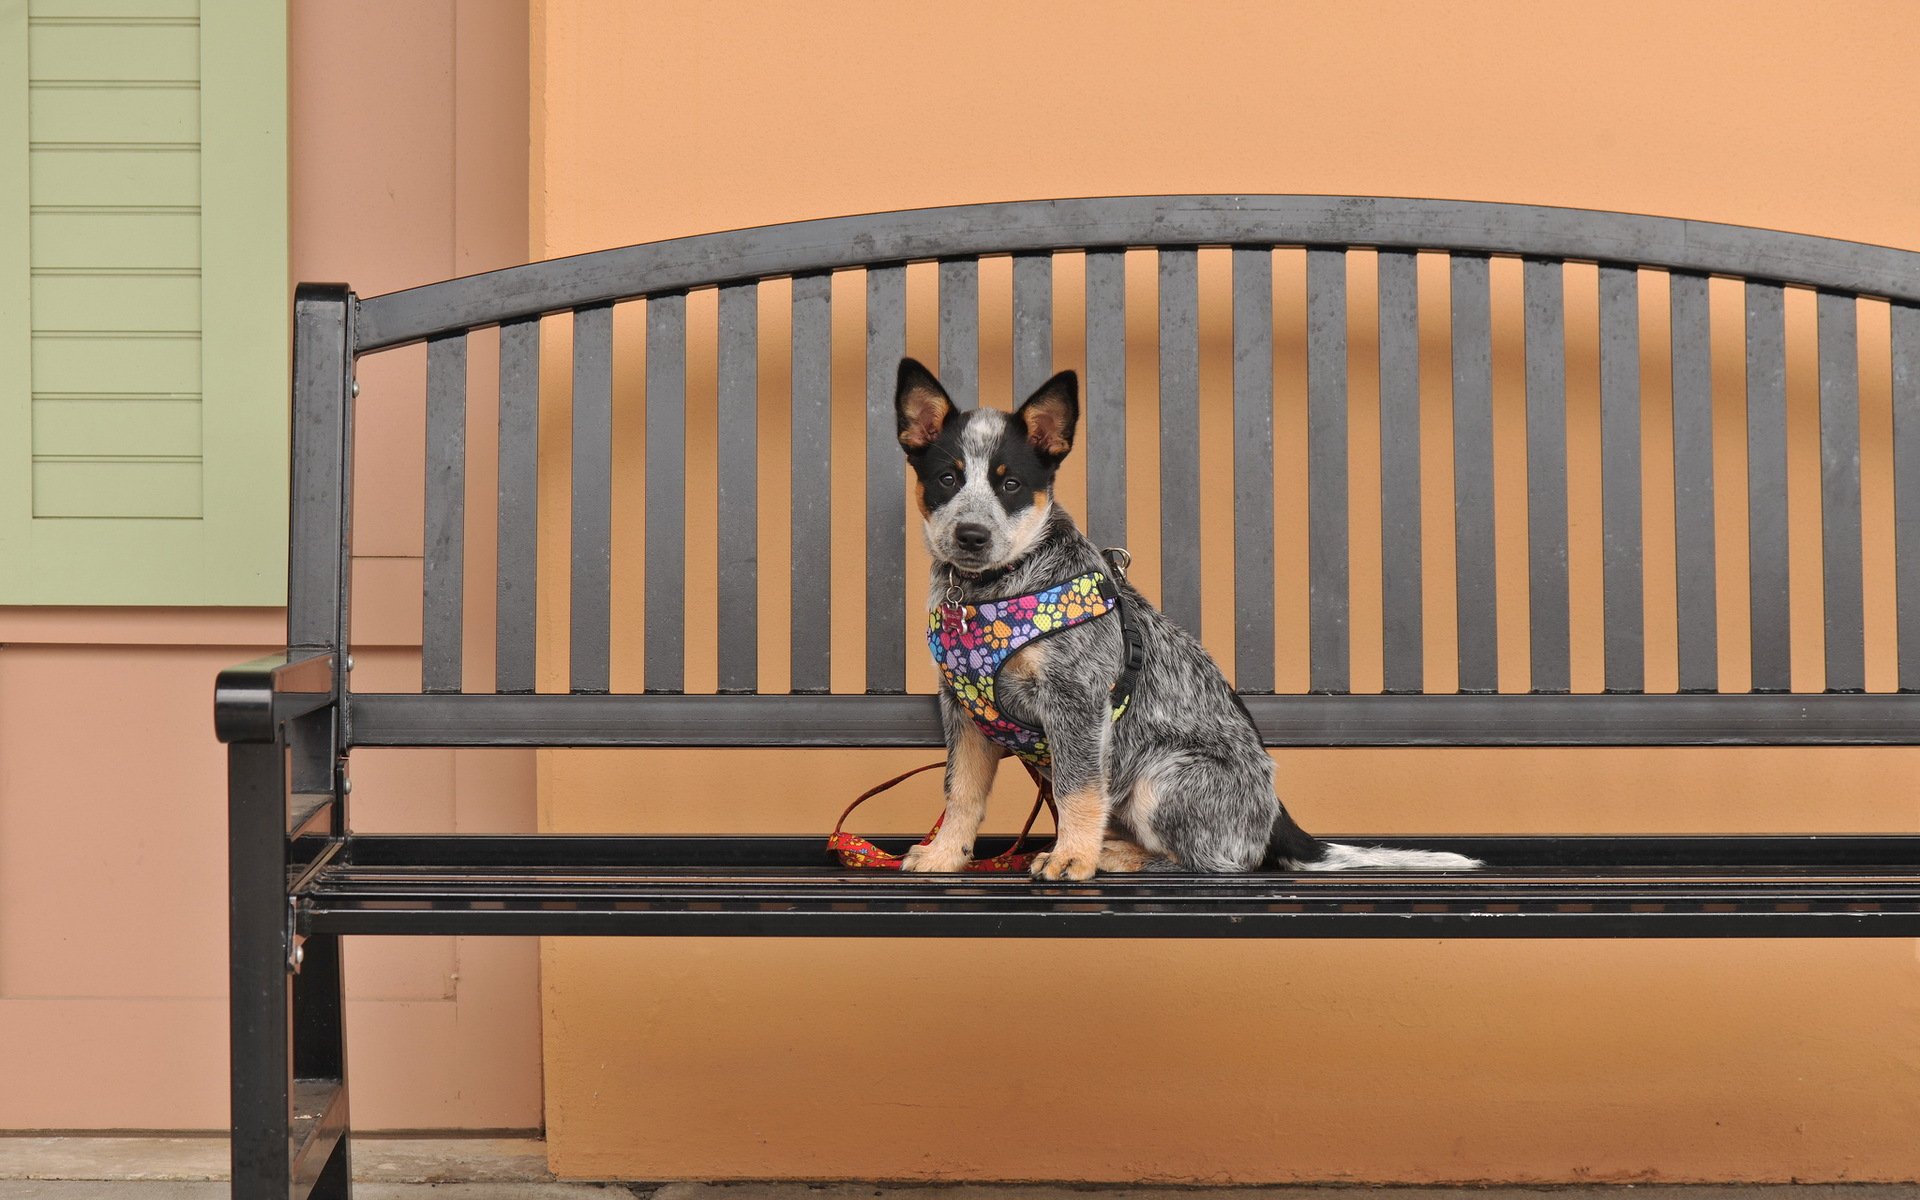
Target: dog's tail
<point>1292,848</point>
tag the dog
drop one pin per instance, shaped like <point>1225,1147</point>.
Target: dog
<point>1047,653</point>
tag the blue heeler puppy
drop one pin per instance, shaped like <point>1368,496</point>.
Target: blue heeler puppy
<point>1048,654</point>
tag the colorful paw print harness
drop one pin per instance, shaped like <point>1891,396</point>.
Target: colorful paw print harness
<point>971,642</point>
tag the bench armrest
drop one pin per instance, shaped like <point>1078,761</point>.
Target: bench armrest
<point>252,699</point>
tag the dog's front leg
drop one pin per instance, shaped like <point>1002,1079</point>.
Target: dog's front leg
<point>1079,728</point>
<point>972,760</point>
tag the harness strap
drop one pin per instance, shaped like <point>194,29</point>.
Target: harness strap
<point>1133,641</point>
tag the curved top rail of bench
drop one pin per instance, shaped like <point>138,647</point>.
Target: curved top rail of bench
<point>1039,226</point>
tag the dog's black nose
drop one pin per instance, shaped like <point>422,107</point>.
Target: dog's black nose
<point>972,537</point>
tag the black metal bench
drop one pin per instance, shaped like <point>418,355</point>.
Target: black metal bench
<point>301,878</point>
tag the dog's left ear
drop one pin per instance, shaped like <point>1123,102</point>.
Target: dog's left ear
<point>1050,416</point>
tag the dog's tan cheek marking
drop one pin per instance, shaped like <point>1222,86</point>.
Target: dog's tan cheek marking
<point>1027,526</point>
<point>1041,497</point>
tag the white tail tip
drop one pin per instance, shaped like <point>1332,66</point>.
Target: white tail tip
<point>1342,857</point>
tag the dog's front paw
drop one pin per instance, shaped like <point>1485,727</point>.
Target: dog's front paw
<point>1065,864</point>
<point>933,859</point>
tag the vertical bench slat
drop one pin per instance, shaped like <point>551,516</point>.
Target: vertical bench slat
<point>1546,353</point>
<point>591,600</point>
<point>444,550</point>
<point>666,587</point>
<point>1180,436</point>
<point>1253,468</point>
<point>514,632</point>
<point>1906,488</point>
<point>1106,397</point>
<point>1329,656</point>
<point>1693,539</point>
<point>960,330</point>
<point>886,483</point>
<point>1839,340</point>
<point>737,612</point>
<point>811,604</point>
<point>1767,487</point>
<point>1625,643</point>
<point>1474,578</point>
<point>1032,323</point>
<point>1401,642</point>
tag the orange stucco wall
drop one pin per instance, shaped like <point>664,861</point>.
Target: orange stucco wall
<point>1226,1061</point>
<point>408,164</point>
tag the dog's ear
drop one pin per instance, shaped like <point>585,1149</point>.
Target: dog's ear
<point>921,405</point>
<point>1050,416</point>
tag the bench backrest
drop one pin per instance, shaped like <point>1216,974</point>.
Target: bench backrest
<point>1104,241</point>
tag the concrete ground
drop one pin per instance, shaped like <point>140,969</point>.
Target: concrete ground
<point>194,1168</point>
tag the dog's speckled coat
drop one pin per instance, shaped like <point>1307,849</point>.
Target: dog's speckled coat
<point>1182,780</point>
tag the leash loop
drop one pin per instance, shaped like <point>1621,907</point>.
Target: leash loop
<point>854,851</point>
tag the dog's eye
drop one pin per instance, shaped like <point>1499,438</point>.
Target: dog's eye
<point>1009,485</point>
<point>949,479</point>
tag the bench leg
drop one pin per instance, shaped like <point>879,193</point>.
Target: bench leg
<point>320,1063</point>
<point>288,1065</point>
<point>258,997</point>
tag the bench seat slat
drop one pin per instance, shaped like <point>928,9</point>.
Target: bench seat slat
<point>1572,887</point>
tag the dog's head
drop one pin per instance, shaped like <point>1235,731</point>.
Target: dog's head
<point>984,478</point>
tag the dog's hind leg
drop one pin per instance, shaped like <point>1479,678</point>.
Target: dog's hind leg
<point>1211,813</point>
<point>1120,856</point>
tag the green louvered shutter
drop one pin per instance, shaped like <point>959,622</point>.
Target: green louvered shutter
<point>143,301</point>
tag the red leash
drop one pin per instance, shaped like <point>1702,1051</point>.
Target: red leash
<point>855,851</point>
